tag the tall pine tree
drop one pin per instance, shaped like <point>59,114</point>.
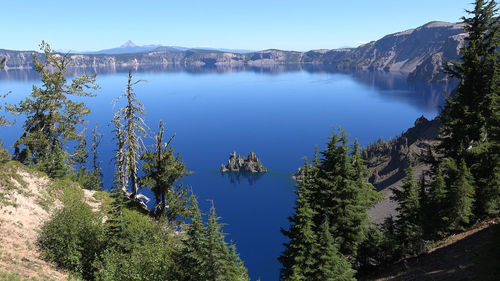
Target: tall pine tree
<point>408,225</point>
<point>161,171</point>
<point>134,130</point>
<point>460,195</point>
<point>471,118</point>
<point>331,265</point>
<point>347,195</point>
<point>52,118</point>
<point>221,264</point>
<point>299,257</point>
<point>436,219</point>
<point>194,253</point>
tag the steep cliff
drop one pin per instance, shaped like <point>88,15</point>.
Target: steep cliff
<point>418,52</point>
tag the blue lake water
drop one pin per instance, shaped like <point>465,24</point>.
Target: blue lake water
<point>280,114</point>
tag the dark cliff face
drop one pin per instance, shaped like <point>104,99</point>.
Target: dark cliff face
<point>419,52</point>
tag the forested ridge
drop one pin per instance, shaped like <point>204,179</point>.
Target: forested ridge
<point>330,236</point>
<point>461,187</point>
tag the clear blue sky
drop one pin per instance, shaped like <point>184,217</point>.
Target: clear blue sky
<point>252,24</point>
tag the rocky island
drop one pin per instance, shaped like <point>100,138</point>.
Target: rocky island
<point>251,164</point>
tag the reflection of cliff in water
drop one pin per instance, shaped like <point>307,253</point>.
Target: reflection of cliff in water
<point>394,86</point>
<point>236,178</point>
<point>389,85</point>
<point>29,74</point>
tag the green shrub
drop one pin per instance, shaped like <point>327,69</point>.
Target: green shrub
<point>4,155</point>
<point>73,237</point>
<point>138,248</point>
<point>87,179</point>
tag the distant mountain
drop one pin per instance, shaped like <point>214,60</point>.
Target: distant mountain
<point>128,47</point>
<point>419,52</point>
<point>237,51</point>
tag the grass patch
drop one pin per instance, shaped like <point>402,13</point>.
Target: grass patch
<point>62,189</point>
<point>45,200</point>
<point>10,277</point>
<point>4,201</point>
<point>105,200</point>
<point>16,277</point>
<point>9,175</point>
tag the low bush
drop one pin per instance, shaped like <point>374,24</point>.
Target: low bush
<point>73,237</point>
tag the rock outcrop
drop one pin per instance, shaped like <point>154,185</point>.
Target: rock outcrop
<point>237,163</point>
<point>387,160</point>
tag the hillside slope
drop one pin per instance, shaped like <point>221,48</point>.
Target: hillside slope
<point>26,203</point>
<point>420,52</point>
<point>465,256</point>
<point>387,160</point>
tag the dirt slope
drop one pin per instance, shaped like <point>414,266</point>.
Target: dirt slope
<point>459,257</point>
<point>26,202</point>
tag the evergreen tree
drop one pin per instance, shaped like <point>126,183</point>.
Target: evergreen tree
<point>52,119</point>
<point>194,254</point>
<point>460,195</point>
<point>121,180</point>
<point>115,226</point>
<point>389,249</point>
<point>346,194</point>
<point>161,171</point>
<point>237,268</point>
<point>299,257</point>
<point>220,263</point>
<point>205,255</point>
<point>369,195</point>
<point>407,225</point>
<point>436,219</point>
<point>331,265</point>
<point>423,201</point>
<point>134,130</point>
<point>471,118</point>
<point>96,169</point>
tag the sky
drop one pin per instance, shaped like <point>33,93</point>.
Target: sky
<point>90,25</point>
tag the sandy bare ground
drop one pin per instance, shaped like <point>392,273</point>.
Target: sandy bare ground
<point>26,205</point>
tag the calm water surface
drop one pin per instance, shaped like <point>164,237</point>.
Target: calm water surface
<point>280,114</point>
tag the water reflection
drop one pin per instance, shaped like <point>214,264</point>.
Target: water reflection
<point>236,178</point>
<point>388,85</point>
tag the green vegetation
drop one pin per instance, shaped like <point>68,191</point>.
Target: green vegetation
<point>471,117</point>
<point>330,235</point>
<point>407,227</point>
<point>120,239</point>
<point>74,235</point>
<point>161,170</point>
<point>332,194</point>
<point>15,277</point>
<point>130,245</point>
<point>52,118</point>
<point>205,255</point>
<point>461,188</point>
